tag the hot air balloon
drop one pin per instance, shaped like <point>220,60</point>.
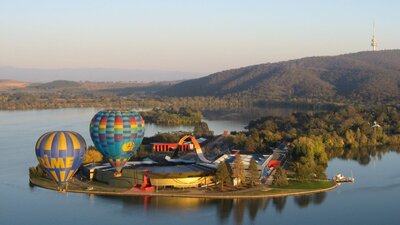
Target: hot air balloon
<point>117,135</point>
<point>60,154</point>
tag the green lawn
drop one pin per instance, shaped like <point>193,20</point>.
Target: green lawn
<point>306,184</point>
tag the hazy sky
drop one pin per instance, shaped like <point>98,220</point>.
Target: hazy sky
<point>194,36</point>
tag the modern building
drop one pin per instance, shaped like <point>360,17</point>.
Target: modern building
<point>162,176</point>
<point>165,147</point>
<point>195,171</point>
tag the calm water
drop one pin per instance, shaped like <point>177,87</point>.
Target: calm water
<point>373,199</point>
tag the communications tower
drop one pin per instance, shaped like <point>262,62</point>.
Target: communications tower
<point>374,43</point>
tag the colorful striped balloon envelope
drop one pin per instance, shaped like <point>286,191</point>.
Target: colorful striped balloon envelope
<point>60,154</point>
<point>117,135</point>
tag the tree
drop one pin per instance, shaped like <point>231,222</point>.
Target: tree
<point>222,175</point>
<point>310,158</point>
<point>239,140</point>
<point>280,177</point>
<point>351,139</point>
<point>238,170</point>
<point>201,130</point>
<point>253,173</point>
<point>250,145</point>
<point>92,155</point>
<point>271,137</point>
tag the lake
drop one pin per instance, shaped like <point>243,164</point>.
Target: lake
<point>373,199</point>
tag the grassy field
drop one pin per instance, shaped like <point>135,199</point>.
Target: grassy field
<point>306,184</point>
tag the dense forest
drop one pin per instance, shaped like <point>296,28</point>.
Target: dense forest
<point>172,116</point>
<point>71,99</point>
<point>346,127</point>
<point>358,77</point>
<point>317,137</point>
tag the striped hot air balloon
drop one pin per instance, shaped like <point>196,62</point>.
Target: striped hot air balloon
<point>60,153</point>
<point>117,135</point>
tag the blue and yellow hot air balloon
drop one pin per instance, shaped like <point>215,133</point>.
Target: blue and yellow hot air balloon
<point>117,135</point>
<point>60,154</point>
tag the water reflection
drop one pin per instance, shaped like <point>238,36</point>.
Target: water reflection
<point>319,198</point>
<point>363,155</point>
<point>226,210</point>
<point>304,201</point>
<point>279,203</point>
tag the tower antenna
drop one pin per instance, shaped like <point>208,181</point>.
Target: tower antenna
<point>374,43</point>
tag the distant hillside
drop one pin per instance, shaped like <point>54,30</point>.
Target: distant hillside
<point>59,84</point>
<point>362,76</point>
<point>92,74</point>
<point>88,87</point>
<point>145,88</point>
<point>11,84</point>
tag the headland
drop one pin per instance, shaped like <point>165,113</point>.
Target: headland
<point>262,191</point>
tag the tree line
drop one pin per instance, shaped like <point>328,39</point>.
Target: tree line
<point>68,99</point>
<point>315,137</point>
<point>172,116</point>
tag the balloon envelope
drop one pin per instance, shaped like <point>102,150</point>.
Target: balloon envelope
<point>117,135</point>
<point>60,153</point>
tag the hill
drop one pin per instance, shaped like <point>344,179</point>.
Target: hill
<point>92,74</point>
<point>86,88</point>
<point>12,84</point>
<point>59,84</point>
<point>363,76</point>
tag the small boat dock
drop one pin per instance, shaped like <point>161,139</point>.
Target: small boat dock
<point>339,178</point>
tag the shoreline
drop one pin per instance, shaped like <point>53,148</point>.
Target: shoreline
<point>261,192</point>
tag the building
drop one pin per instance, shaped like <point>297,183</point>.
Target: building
<point>162,176</point>
<point>185,146</point>
<point>183,172</point>
<point>165,147</point>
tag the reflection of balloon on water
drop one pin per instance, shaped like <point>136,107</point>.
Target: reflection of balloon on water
<point>60,154</point>
<point>117,135</point>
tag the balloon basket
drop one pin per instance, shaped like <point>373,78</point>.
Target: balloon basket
<point>61,190</point>
<point>117,174</point>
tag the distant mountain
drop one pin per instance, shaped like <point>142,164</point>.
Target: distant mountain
<point>364,76</point>
<point>85,88</point>
<point>12,84</point>
<point>92,74</point>
<point>58,84</point>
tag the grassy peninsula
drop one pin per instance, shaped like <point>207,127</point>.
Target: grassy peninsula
<point>93,187</point>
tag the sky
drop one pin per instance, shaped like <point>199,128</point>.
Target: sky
<point>200,37</point>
